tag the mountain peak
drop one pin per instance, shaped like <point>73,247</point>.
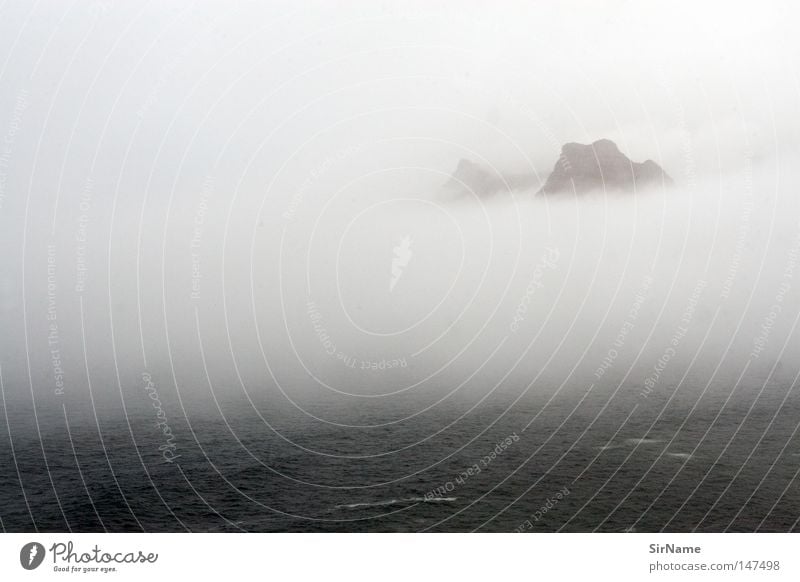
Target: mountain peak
<point>601,166</point>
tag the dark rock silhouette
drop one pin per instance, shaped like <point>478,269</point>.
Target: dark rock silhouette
<point>580,169</point>
<point>601,166</point>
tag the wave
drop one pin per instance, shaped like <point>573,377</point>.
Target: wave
<point>635,442</point>
<point>607,447</point>
<point>643,441</point>
<point>404,500</point>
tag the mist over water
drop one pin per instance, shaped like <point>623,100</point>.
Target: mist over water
<point>237,278</point>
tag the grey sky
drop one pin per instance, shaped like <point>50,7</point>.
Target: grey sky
<point>255,151</point>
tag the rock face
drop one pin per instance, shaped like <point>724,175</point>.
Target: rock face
<point>476,179</point>
<point>580,168</point>
<point>601,166</point>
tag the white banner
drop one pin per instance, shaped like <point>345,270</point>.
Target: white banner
<point>400,557</point>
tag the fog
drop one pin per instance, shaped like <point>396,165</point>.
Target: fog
<point>251,202</point>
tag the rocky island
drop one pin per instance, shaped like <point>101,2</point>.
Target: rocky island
<point>599,166</point>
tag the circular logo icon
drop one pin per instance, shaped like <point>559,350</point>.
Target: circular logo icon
<point>31,555</point>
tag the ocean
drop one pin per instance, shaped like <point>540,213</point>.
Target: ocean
<point>593,460</point>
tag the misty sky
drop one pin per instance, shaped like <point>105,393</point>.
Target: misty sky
<point>215,194</point>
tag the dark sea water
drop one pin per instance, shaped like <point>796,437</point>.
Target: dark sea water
<point>584,463</point>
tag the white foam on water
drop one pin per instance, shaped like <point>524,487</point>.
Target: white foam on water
<point>397,501</point>
<point>643,441</point>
